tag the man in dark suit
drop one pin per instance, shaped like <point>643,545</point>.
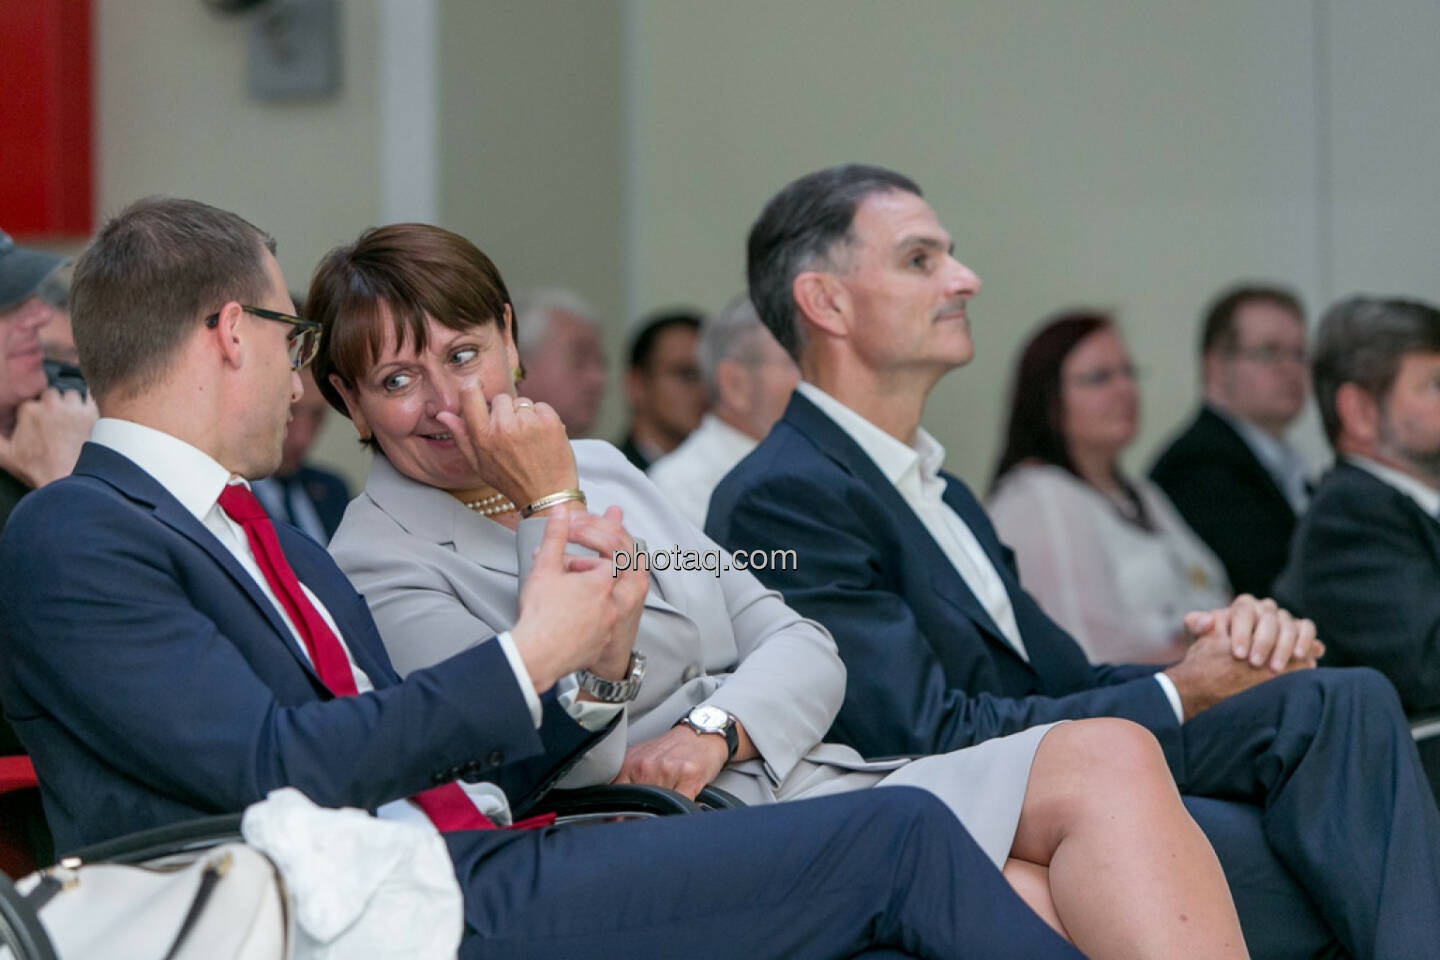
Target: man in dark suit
<point>663,386</point>
<point>1231,473</point>
<point>853,273</point>
<point>1365,564</point>
<point>303,496</point>
<point>184,656</point>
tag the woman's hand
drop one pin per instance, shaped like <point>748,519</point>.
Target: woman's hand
<point>516,446</point>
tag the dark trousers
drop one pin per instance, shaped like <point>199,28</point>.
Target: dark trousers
<point>875,873</point>
<point>1324,759</point>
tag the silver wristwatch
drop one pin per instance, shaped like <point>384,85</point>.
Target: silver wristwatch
<point>710,719</point>
<point>616,691</point>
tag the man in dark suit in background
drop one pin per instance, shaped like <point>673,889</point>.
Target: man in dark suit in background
<point>303,496</point>
<point>853,273</point>
<point>1365,564</point>
<point>1230,473</point>
<point>154,675</point>
<point>663,386</point>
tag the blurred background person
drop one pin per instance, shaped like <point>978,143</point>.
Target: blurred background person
<point>561,355</point>
<point>1365,561</point>
<point>1231,473</point>
<point>749,377</point>
<point>298,493</point>
<point>663,386</point>
<point>57,341</point>
<point>1104,553</point>
<point>41,429</point>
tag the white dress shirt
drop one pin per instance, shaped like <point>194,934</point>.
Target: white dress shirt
<point>915,472</point>
<point>689,474</point>
<point>197,480</point>
<point>1422,493</point>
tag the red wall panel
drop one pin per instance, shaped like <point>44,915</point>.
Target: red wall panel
<point>46,180</point>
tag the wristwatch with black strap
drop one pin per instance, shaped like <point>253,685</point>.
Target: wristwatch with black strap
<point>709,719</point>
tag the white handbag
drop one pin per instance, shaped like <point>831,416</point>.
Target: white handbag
<point>226,902</point>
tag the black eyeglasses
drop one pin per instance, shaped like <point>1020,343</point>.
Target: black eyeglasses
<point>303,341</point>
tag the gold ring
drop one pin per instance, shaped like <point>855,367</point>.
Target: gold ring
<point>524,404</point>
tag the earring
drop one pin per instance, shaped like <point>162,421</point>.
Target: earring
<point>517,374</point>
<point>364,437</point>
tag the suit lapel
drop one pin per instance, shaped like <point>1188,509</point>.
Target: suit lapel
<point>1226,436</point>
<point>120,472</point>
<point>839,446</point>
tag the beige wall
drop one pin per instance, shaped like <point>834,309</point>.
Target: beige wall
<point>1115,152</point>
<point>1131,155</point>
<point>174,117</point>
<point>531,148</point>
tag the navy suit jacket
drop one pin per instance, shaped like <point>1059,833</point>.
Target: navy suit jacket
<point>1365,566</point>
<point>152,681</point>
<point>1228,497</point>
<point>927,668</point>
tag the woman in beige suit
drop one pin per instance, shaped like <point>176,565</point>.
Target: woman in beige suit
<point>737,689</point>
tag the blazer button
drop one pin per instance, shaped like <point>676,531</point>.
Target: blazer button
<point>496,757</point>
<point>691,672</point>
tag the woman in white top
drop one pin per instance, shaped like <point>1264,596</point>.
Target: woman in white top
<point>1105,554</point>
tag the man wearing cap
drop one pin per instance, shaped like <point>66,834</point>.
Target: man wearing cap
<point>41,429</point>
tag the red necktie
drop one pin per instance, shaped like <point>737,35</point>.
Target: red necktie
<point>447,806</point>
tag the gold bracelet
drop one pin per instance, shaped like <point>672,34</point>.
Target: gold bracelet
<point>545,503</point>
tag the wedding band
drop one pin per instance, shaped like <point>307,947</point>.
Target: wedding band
<point>523,404</point>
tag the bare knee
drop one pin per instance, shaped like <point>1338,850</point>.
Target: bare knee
<point>1106,757</point>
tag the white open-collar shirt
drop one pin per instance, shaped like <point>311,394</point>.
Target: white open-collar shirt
<point>915,473</point>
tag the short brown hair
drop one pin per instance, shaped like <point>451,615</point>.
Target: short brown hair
<point>152,273</point>
<point>415,270</point>
<point>1361,341</point>
<point>1217,330</point>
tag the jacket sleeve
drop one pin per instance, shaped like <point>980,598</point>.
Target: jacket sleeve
<point>898,700</point>
<point>117,652</point>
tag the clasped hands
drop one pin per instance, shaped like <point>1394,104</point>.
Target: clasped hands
<point>48,434</point>
<point>1239,646</point>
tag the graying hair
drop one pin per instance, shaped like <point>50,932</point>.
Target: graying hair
<point>534,309</point>
<point>734,334</point>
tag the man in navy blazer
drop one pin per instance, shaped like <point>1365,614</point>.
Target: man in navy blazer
<point>1365,562</point>
<point>153,677</point>
<point>1304,780</point>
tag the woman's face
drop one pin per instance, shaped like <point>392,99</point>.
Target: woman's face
<point>1098,397</point>
<point>398,398</point>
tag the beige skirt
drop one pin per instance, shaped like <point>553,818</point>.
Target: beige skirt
<point>984,785</point>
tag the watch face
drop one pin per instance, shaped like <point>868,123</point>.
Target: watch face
<point>709,718</point>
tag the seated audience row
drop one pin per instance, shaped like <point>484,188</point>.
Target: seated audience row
<point>852,271</point>
<point>219,655</point>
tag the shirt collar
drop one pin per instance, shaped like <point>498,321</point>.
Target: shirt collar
<point>189,474</point>
<point>1422,493</point>
<point>895,459</point>
<point>717,432</point>
<point>1275,454</point>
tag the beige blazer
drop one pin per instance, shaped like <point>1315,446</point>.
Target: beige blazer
<point>438,578</point>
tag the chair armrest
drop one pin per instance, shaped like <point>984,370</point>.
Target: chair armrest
<point>173,838</point>
<point>1425,727</point>
<point>611,800</point>
<point>713,798</point>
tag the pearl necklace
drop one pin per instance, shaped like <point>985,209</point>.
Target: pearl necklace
<point>492,505</point>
